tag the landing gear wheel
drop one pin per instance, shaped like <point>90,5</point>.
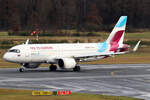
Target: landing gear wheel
<point>76,69</point>
<point>21,69</point>
<point>53,68</point>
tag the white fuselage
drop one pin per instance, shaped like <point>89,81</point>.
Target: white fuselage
<point>49,52</point>
<point>66,55</point>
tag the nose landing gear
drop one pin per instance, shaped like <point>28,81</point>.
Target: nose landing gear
<point>21,69</point>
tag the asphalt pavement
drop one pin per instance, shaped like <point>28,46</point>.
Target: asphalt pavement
<point>131,80</point>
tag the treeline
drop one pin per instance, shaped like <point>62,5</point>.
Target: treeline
<point>81,15</point>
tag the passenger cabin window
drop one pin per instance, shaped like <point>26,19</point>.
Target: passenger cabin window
<point>14,50</point>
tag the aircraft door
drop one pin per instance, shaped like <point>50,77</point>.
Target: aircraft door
<point>27,55</point>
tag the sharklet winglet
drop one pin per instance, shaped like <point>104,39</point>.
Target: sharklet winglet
<point>27,42</point>
<point>136,46</point>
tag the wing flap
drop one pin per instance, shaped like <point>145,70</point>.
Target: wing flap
<point>98,54</point>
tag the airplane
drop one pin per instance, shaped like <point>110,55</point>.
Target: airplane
<point>67,55</point>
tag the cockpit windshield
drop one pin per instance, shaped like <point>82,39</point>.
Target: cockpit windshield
<point>14,50</point>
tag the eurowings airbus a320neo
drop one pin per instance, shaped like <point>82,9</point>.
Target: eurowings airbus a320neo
<point>66,56</point>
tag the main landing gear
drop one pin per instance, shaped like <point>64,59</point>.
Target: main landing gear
<point>52,67</point>
<point>76,69</point>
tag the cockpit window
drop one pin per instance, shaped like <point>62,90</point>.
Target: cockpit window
<point>14,50</point>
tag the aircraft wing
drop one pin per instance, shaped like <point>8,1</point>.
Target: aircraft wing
<point>98,54</point>
<point>136,46</point>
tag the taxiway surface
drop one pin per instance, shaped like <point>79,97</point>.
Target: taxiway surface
<point>131,80</point>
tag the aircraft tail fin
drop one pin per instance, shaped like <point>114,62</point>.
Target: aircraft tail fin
<point>116,37</point>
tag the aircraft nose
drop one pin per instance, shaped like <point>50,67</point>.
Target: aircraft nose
<point>6,57</point>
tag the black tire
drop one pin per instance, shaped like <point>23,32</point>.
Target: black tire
<point>53,68</point>
<point>76,69</point>
<point>21,69</point>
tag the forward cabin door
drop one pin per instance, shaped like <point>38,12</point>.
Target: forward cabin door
<point>27,52</point>
<point>35,54</point>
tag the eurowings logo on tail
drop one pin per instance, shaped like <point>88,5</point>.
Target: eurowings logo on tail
<point>115,39</point>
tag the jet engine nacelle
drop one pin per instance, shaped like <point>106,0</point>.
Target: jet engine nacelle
<point>66,63</point>
<point>31,65</point>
